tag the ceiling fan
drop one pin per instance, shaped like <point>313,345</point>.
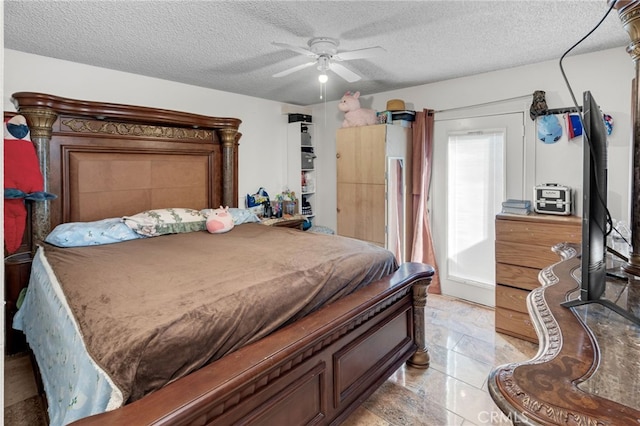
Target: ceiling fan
<point>324,52</point>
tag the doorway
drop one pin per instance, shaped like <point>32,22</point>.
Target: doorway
<point>478,162</point>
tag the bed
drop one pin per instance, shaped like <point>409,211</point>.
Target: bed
<point>354,318</point>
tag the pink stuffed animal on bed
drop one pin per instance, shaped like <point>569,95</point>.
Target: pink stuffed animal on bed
<point>354,115</point>
<point>219,221</point>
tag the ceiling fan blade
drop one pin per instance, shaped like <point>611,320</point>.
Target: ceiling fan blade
<point>344,72</point>
<point>294,69</point>
<point>359,54</point>
<point>297,49</point>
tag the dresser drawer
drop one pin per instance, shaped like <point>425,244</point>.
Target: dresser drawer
<point>511,298</point>
<point>521,254</point>
<point>517,276</point>
<point>540,234</point>
<point>515,324</point>
<point>523,247</point>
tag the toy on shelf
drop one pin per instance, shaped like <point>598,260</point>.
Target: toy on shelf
<point>355,116</point>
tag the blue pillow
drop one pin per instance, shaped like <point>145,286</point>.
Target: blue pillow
<point>239,216</point>
<point>79,234</point>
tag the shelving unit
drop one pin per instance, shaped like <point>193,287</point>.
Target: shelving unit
<point>301,170</point>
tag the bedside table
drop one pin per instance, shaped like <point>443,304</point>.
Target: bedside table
<point>287,222</point>
<point>16,277</point>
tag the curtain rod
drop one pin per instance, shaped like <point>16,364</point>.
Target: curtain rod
<point>486,103</point>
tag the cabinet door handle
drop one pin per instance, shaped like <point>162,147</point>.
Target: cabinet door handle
<point>338,155</point>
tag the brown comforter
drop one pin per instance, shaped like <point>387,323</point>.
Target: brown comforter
<point>153,310</point>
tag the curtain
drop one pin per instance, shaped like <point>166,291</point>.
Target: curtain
<point>422,244</point>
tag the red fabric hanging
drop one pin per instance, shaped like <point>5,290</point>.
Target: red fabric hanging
<point>22,176</point>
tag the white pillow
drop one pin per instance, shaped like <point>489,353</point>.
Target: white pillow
<point>78,234</point>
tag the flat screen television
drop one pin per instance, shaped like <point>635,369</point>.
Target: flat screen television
<point>594,207</point>
<point>595,215</point>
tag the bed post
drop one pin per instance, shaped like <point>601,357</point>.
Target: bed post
<point>40,121</point>
<point>420,359</point>
<point>229,159</point>
<point>629,14</point>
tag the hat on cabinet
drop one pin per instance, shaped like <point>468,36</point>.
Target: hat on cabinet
<point>395,105</point>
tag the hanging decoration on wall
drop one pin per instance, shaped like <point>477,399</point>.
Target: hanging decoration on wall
<point>22,180</point>
<point>608,123</point>
<point>574,126</point>
<point>539,104</point>
<point>549,128</point>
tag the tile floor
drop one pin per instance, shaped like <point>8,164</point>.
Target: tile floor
<point>453,391</point>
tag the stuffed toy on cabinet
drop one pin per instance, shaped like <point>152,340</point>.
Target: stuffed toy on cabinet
<point>355,116</point>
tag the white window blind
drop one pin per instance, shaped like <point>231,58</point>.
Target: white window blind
<point>475,190</point>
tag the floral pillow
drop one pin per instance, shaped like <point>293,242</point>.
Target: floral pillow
<point>79,234</point>
<point>152,223</point>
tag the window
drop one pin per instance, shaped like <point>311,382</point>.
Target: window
<point>475,191</point>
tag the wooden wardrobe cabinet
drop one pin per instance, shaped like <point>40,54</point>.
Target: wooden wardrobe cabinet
<point>373,165</point>
<point>523,248</point>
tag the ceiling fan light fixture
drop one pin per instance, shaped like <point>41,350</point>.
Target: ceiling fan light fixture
<point>323,52</point>
<point>323,63</point>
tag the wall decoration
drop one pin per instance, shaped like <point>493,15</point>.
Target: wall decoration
<point>549,128</point>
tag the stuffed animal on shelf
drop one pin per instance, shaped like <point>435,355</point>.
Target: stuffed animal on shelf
<point>355,116</point>
<point>539,104</point>
<point>22,180</point>
<point>220,221</point>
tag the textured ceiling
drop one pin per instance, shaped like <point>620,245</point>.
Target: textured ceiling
<point>227,45</point>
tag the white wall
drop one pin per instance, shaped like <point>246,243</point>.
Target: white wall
<point>607,74</point>
<point>264,131</point>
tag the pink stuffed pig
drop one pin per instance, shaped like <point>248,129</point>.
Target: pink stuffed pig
<point>219,221</point>
<point>354,115</point>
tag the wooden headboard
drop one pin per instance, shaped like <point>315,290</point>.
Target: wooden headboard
<point>109,160</point>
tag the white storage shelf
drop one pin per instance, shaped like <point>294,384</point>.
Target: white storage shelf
<point>301,172</point>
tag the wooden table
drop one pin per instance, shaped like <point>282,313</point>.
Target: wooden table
<point>587,369</point>
<point>294,221</point>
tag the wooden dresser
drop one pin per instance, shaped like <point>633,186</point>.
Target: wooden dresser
<point>523,248</point>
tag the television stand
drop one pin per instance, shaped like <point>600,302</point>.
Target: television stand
<point>607,304</point>
<point>587,364</point>
<point>616,272</point>
<point>616,276</point>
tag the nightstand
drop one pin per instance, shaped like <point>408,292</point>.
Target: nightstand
<point>17,270</point>
<point>287,222</point>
